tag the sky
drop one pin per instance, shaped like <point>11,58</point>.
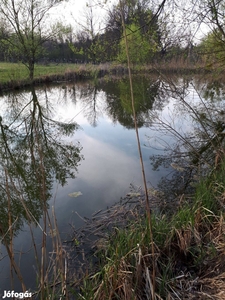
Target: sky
<point>72,12</point>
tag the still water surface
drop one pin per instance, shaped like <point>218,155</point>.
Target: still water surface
<point>45,128</point>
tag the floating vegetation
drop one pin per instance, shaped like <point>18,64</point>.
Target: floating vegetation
<point>75,194</point>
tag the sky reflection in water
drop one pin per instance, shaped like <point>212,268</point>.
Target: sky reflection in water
<point>110,164</point>
<point>111,161</point>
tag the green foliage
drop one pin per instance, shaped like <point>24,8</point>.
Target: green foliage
<point>96,50</point>
<point>142,31</point>
<point>22,47</point>
<point>213,48</point>
<point>35,156</point>
<point>76,50</point>
<point>24,30</point>
<point>138,46</point>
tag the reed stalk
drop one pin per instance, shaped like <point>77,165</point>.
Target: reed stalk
<point>139,150</point>
<point>10,228</point>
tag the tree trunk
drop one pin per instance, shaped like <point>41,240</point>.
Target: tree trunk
<point>31,70</point>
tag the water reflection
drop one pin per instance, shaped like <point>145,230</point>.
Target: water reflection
<point>113,98</point>
<point>39,148</point>
<point>39,145</point>
<point>146,91</point>
<point>33,156</point>
<point>194,122</point>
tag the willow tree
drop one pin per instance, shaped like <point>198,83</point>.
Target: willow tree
<point>27,27</point>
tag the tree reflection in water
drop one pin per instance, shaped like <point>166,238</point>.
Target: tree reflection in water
<point>33,156</point>
<point>197,139</point>
<point>116,100</point>
<point>34,152</point>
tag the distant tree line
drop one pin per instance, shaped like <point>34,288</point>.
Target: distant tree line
<point>25,35</point>
<point>145,32</point>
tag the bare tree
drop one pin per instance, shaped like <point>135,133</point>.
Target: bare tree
<point>26,22</point>
<point>88,36</point>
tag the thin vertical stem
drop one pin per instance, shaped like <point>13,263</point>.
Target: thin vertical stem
<point>42,187</point>
<point>10,229</point>
<point>139,149</point>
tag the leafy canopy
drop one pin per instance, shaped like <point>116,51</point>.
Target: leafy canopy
<point>139,47</point>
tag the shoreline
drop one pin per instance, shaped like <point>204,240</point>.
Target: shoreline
<point>72,72</point>
<point>188,245</point>
<point>188,239</point>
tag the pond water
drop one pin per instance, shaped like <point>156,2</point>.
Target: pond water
<point>73,147</point>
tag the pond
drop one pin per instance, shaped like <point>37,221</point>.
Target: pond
<point>70,150</point>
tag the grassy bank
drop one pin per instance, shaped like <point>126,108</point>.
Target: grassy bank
<point>189,251</point>
<point>15,75</point>
<point>15,72</point>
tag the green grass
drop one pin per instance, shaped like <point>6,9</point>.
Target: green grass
<point>12,74</point>
<point>15,75</point>
<point>18,72</point>
<point>53,69</point>
<point>188,246</point>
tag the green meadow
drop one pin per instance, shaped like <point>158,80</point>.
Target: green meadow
<point>18,72</point>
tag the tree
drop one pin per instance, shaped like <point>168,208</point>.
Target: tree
<point>25,21</point>
<point>3,35</point>
<point>139,47</point>
<point>142,30</point>
<point>87,40</point>
<point>212,14</point>
<point>212,49</point>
